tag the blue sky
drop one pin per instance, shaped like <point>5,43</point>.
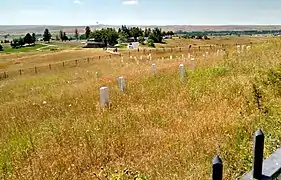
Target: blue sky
<point>140,12</point>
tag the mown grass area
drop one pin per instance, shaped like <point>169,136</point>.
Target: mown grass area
<point>9,49</point>
<point>52,126</point>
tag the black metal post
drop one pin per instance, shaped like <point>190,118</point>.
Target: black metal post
<point>217,168</point>
<point>258,154</point>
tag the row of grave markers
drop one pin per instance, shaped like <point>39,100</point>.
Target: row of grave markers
<point>104,90</point>
<point>149,56</point>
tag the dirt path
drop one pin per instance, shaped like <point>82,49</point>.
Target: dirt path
<point>45,46</point>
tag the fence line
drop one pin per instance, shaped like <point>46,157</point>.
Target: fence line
<point>191,49</point>
<point>267,169</point>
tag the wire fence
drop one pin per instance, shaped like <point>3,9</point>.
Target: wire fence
<point>37,69</point>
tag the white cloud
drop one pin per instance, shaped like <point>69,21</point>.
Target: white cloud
<point>130,2</point>
<point>77,2</point>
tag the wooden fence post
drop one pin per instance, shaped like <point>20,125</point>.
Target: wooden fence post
<point>20,72</point>
<point>50,66</point>
<point>258,154</point>
<point>5,75</point>
<point>63,64</point>
<point>88,60</point>
<point>35,70</point>
<point>99,57</point>
<point>217,168</point>
<point>76,62</point>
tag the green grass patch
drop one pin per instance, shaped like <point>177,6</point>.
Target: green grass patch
<point>9,49</point>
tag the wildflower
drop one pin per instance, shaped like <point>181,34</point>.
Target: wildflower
<point>44,102</point>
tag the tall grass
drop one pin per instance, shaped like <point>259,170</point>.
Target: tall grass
<point>52,126</point>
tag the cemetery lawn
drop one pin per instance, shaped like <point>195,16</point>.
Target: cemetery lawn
<point>8,49</point>
<point>52,126</point>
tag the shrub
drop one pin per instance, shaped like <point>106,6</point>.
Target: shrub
<point>1,48</point>
<point>141,40</point>
<point>150,43</point>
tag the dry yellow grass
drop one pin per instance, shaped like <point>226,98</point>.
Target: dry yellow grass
<point>52,126</point>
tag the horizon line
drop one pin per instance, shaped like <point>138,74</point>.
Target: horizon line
<point>145,25</point>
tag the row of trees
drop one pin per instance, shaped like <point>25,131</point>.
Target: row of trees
<point>63,37</point>
<point>27,39</point>
<point>111,36</point>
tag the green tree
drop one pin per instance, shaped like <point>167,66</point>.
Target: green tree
<point>125,31</point>
<point>150,43</point>
<point>119,31</point>
<point>141,40</point>
<point>136,32</point>
<point>122,38</point>
<point>13,43</point>
<point>76,34</point>
<point>47,35</point>
<point>33,38</point>
<point>1,48</point>
<point>170,33</point>
<point>107,36</point>
<point>61,35</point>
<point>112,36</point>
<point>82,36</point>
<point>21,41</point>
<point>147,32</point>
<point>87,32</point>
<point>27,39</point>
<point>65,38</point>
<point>156,35</point>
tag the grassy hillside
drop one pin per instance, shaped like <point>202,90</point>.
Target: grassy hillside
<point>52,126</point>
